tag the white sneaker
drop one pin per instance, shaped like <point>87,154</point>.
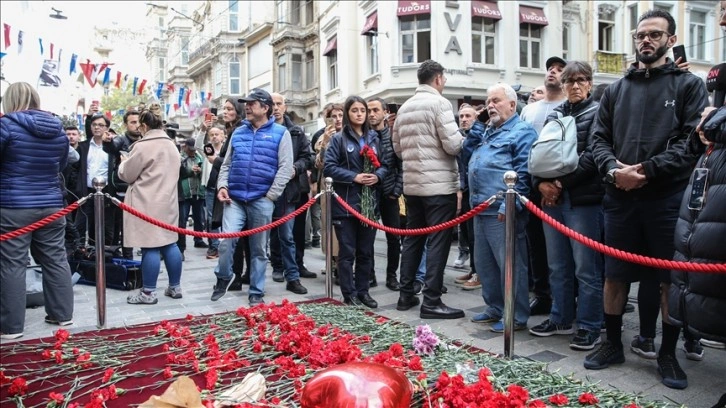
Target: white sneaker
<point>713,344</point>
<point>461,261</point>
<point>12,336</point>
<point>142,298</point>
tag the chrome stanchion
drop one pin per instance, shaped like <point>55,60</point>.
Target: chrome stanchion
<point>510,237</point>
<point>328,237</point>
<point>98,201</point>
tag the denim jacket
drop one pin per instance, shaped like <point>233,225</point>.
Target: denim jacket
<point>494,151</point>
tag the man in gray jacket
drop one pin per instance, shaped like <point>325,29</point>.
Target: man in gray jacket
<point>427,140</point>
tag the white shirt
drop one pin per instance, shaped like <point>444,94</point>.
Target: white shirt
<point>97,163</point>
<point>536,113</point>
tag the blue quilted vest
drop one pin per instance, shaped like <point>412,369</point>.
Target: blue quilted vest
<point>254,160</point>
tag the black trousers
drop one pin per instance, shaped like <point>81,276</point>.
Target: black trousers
<point>425,212</point>
<point>355,243</point>
<point>466,229</point>
<point>298,232</point>
<point>539,274</point>
<point>391,217</point>
<point>86,222</point>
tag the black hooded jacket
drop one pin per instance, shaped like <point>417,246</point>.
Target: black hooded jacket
<point>303,161</point>
<point>646,118</point>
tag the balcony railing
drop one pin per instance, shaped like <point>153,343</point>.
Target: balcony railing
<point>610,62</point>
<point>205,49</point>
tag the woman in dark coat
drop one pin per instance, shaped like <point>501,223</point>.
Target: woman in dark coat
<point>697,301</point>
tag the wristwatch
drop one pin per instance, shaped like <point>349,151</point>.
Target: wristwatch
<point>610,176</point>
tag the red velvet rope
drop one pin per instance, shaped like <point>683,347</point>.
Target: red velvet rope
<point>41,223</point>
<point>202,234</point>
<point>416,231</point>
<point>620,254</point>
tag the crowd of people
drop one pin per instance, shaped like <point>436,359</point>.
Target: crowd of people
<point>648,180</point>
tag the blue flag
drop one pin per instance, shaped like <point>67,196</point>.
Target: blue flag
<point>74,58</point>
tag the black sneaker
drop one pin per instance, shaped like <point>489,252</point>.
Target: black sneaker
<point>352,301</point>
<point>585,340</point>
<point>316,243</point>
<point>549,328</point>
<point>417,287</point>
<point>212,253</point>
<point>392,284</point>
<point>236,284</point>
<point>278,276</point>
<point>372,282</point>
<point>693,350</point>
<point>255,300</point>
<point>220,288</point>
<point>296,287</point>
<point>604,356</point>
<point>305,273</point>
<point>644,347</point>
<point>201,244</point>
<point>670,370</point>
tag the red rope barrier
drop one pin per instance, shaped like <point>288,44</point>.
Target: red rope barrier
<point>620,254</point>
<point>417,231</point>
<point>202,234</point>
<point>42,223</point>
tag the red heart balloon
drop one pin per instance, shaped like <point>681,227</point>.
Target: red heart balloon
<point>357,385</point>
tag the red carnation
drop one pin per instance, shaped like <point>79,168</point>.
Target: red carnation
<point>588,399</point>
<point>559,400</point>
<point>18,387</point>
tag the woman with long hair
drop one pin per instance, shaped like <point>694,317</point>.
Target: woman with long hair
<point>152,171</point>
<point>34,150</point>
<point>346,161</point>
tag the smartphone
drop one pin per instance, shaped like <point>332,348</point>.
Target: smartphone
<point>699,185</point>
<point>679,51</point>
<point>213,111</point>
<point>392,108</point>
<point>209,117</point>
<point>329,122</point>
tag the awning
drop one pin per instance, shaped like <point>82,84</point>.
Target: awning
<point>485,9</point>
<point>410,8</point>
<point>331,47</point>
<point>532,15</point>
<point>371,26</point>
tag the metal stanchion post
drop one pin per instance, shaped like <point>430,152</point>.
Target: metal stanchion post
<point>510,235</point>
<point>328,237</point>
<point>98,201</point>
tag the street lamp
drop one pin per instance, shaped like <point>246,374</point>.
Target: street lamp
<point>58,14</point>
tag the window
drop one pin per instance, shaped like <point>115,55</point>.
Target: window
<point>697,35</point>
<point>309,13</point>
<point>161,27</point>
<point>233,15</point>
<point>234,76</point>
<point>606,28</point>
<point>309,70</point>
<point>295,6</point>
<point>566,42</point>
<point>218,80</point>
<point>281,72</point>
<point>333,70</point>
<point>185,50</point>
<point>162,69</point>
<point>663,7</point>
<point>530,37</point>
<point>415,38</point>
<point>281,18</point>
<point>483,33</point>
<point>633,24</point>
<point>297,75</point>
<point>372,51</point>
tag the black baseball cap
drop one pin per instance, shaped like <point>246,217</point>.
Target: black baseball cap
<point>554,60</point>
<point>258,95</point>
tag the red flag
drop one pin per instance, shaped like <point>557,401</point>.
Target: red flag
<point>171,88</point>
<point>209,96</point>
<point>91,71</point>
<point>6,29</point>
<point>51,50</point>
<point>176,106</point>
<point>118,79</point>
<point>186,101</point>
<point>108,114</point>
<point>141,87</point>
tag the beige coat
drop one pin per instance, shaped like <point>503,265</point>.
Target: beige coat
<point>152,171</point>
<point>427,140</point>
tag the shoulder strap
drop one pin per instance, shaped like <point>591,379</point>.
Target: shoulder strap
<point>585,111</point>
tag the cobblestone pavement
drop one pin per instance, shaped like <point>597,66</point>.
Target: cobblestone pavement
<point>707,379</point>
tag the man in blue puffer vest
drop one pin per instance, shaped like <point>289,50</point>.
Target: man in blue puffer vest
<point>253,175</point>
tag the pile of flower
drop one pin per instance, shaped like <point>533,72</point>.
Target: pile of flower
<point>287,344</point>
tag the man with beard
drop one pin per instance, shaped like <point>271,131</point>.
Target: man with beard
<point>536,114</point>
<point>640,147</point>
<point>121,144</point>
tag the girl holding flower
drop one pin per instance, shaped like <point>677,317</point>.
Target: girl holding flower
<point>353,161</point>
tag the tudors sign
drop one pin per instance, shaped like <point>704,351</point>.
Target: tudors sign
<point>409,8</point>
<point>531,15</point>
<point>485,9</point>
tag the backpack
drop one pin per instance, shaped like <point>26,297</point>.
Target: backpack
<point>554,153</point>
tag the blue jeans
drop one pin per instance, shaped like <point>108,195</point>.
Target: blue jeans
<point>282,243</point>
<point>151,265</point>
<point>209,197</point>
<point>489,258</point>
<point>238,216</point>
<point>196,205</point>
<point>569,260</point>
<point>421,272</point>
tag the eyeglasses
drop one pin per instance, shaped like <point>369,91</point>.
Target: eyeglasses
<point>97,125</point>
<point>653,35</point>
<point>582,81</point>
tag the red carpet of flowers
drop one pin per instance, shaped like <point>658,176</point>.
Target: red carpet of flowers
<point>125,366</point>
